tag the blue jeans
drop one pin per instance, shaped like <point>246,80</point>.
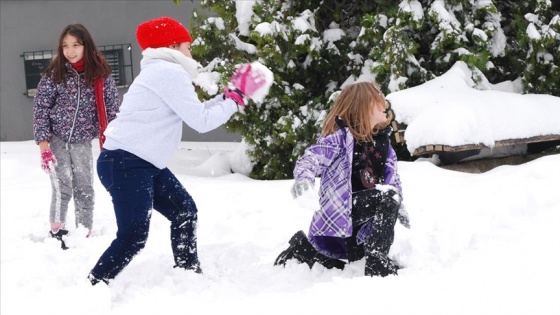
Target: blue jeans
<point>137,186</point>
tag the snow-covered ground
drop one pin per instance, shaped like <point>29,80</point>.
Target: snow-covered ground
<point>479,244</point>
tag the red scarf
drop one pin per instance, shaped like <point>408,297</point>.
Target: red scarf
<point>101,110</point>
<point>79,66</point>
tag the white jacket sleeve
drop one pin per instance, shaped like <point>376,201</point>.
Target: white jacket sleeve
<point>181,97</point>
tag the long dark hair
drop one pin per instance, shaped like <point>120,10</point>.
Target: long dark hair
<point>95,64</point>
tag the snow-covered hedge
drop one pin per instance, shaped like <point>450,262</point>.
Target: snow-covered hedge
<point>316,47</point>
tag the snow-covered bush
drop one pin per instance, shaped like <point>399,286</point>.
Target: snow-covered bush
<point>316,47</point>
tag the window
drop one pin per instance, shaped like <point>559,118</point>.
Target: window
<point>120,62</point>
<point>35,63</point>
<point>119,57</point>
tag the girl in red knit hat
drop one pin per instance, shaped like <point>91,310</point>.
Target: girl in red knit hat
<point>75,87</point>
<point>144,136</point>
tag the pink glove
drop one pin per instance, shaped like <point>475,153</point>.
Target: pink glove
<point>48,161</point>
<point>248,79</point>
<point>236,96</point>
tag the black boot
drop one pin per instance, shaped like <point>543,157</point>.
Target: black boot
<point>301,250</point>
<point>58,235</point>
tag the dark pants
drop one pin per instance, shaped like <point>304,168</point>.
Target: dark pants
<point>136,187</point>
<point>380,209</point>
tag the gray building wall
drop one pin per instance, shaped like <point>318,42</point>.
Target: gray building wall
<point>36,25</point>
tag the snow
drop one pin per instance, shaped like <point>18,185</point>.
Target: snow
<point>240,45</point>
<point>532,32</point>
<point>450,110</point>
<point>219,22</point>
<point>414,7</point>
<point>333,35</point>
<point>305,22</point>
<point>479,244</point>
<point>447,20</point>
<point>264,29</point>
<point>498,42</point>
<point>259,94</point>
<point>243,13</point>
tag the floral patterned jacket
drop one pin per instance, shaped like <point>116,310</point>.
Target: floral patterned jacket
<point>68,109</point>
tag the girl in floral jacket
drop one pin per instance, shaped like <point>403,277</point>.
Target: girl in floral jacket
<point>75,85</point>
<point>360,193</point>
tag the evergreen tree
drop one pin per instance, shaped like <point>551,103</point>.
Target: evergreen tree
<point>316,47</point>
<point>538,25</point>
<point>303,42</point>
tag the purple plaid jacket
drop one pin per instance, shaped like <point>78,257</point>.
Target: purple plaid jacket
<point>331,158</point>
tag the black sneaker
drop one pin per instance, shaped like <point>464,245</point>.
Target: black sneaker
<point>58,235</point>
<point>284,256</point>
<point>297,250</point>
<point>380,265</point>
<point>303,251</point>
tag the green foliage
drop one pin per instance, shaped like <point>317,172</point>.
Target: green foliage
<point>315,47</point>
<point>304,66</point>
<point>540,38</point>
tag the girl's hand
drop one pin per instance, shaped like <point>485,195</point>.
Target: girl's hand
<point>306,196</point>
<point>300,187</point>
<point>402,216</point>
<point>48,161</point>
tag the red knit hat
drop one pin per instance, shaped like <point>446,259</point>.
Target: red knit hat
<point>161,32</point>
